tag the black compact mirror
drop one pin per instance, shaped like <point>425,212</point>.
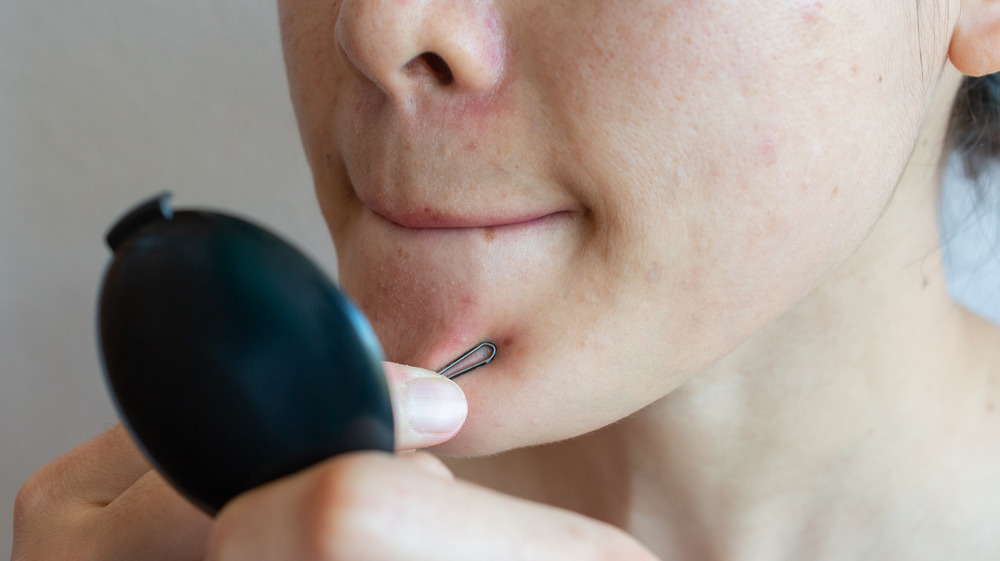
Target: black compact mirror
<point>232,358</point>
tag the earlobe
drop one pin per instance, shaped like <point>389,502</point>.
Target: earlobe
<point>975,43</point>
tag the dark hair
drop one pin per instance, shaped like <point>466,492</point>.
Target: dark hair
<point>974,126</point>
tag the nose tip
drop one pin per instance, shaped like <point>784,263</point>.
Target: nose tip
<point>401,44</point>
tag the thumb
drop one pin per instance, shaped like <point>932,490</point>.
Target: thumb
<point>428,408</point>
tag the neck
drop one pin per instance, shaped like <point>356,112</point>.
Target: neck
<point>831,417</point>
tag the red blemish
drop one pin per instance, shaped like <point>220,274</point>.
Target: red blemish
<point>811,10</point>
<point>769,151</point>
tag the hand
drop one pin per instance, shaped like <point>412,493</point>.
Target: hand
<point>372,506</point>
<point>102,501</point>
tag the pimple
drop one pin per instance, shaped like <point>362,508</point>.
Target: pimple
<point>810,10</point>
<point>769,150</point>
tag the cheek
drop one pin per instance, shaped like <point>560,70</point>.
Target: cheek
<point>316,78</point>
<point>738,164</point>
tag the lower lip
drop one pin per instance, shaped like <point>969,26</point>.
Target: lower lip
<point>472,224</point>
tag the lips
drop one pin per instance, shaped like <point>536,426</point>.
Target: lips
<point>424,217</point>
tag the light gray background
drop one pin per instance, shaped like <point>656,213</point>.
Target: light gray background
<point>104,102</point>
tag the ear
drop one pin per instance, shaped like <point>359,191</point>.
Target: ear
<point>975,43</point>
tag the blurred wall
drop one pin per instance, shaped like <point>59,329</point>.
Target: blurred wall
<point>104,102</point>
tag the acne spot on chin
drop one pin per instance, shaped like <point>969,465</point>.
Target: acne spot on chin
<point>505,343</point>
<point>810,10</point>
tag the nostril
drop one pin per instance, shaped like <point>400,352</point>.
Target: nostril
<point>437,66</point>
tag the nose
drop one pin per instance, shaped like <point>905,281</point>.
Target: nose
<point>402,45</point>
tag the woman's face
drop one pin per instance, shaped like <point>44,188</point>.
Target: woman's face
<point>615,192</point>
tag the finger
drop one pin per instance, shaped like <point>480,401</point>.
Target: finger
<point>151,521</point>
<point>97,470</point>
<point>427,462</point>
<point>374,507</point>
<point>428,408</point>
<point>148,521</point>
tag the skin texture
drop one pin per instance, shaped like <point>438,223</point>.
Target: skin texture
<point>703,236</point>
<point>711,163</point>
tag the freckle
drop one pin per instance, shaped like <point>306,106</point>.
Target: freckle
<point>835,191</point>
<point>489,234</point>
<point>990,406</point>
<point>879,79</point>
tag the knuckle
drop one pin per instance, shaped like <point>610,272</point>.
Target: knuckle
<point>29,497</point>
<point>44,533</point>
<point>35,499</point>
<point>331,514</point>
<point>349,510</point>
